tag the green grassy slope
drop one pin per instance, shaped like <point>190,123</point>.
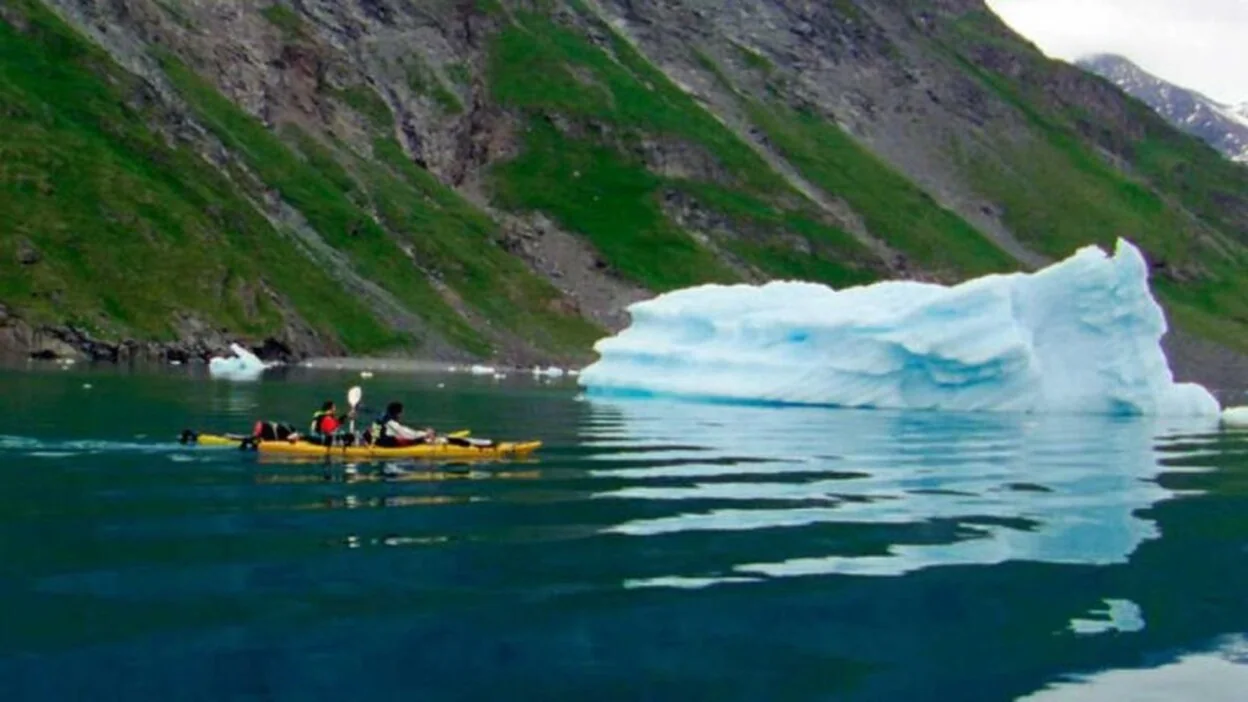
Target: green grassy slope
<point>593,181</point>
<point>129,231</point>
<point>448,238</point>
<point>618,98</point>
<point>1058,192</point>
<point>132,232</point>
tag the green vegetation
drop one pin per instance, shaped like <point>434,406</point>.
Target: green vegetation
<point>367,102</point>
<point>432,231</point>
<point>1058,196</point>
<point>286,20</point>
<point>543,68</point>
<point>319,196</point>
<point>593,182</point>
<point>451,237</point>
<point>594,190</point>
<point>423,81</point>
<point>490,7</point>
<point>129,232</point>
<point>1058,193</point>
<point>1203,181</point>
<point>893,208</point>
<point>89,194</point>
<point>835,257</point>
<point>754,59</point>
<point>460,73</point>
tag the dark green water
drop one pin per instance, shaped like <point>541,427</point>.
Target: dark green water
<point>653,550</point>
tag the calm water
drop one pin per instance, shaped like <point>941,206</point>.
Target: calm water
<point>653,550</point>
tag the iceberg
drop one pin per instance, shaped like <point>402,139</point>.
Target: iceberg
<point>244,365</point>
<point>1080,336</point>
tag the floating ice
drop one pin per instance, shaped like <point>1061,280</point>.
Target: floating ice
<point>1235,416</point>
<point>1081,336</point>
<point>244,365</point>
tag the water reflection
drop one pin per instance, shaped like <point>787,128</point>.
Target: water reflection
<point>969,489</point>
<point>237,399</point>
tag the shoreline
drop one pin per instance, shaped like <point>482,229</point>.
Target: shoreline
<point>417,365</point>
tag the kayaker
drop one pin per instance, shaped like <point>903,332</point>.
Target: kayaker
<point>326,425</point>
<point>389,431</point>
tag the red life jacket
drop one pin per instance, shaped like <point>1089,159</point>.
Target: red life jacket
<point>325,423</point>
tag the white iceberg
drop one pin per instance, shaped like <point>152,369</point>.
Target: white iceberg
<point>1081,336</point>
<point>243,365</point>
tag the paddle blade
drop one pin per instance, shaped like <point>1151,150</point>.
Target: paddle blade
<point>354,395</point>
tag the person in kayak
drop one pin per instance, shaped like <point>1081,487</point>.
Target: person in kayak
<point>327,426</point>
<point>388,431</point>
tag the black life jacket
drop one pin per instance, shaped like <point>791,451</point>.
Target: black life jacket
<point>271,431</point>
<point>378,428</point>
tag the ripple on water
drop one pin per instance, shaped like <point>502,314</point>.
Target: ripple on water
<point>634,533</point>
<point>1001,487</point>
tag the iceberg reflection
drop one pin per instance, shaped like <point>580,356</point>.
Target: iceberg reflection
<point>1219,675</point>
<point>957,488</point>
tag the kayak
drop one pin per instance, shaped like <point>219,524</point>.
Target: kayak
<point>231,440</point>
<point>502,449</point>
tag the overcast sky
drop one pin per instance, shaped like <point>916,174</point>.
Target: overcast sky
<point>1199,44</point>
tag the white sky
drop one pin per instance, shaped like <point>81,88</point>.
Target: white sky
<point>1198,44</point>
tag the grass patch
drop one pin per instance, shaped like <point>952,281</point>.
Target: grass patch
<point>595,185</point>
<point>460,73</point>
<point>894,209</point>
<point>129,232</point>
<point>490,8</point>
<point>613,201</point>
<point>368,103</point>
<point>831,255</point>
<point>458,241</point>
<point>286,20</point>
<point>320,197</point>
<point>754,59</point>
<point>1059,194</point>
<point>1203,180</point>
<point>539,66</point>
<point>423,81</point>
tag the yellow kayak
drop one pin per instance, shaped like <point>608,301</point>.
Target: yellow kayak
<point>502,449</point>
<point>230,440</point>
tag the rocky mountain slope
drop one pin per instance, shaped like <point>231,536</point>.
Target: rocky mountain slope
<point>463,179</point>
<point>1224,127</point>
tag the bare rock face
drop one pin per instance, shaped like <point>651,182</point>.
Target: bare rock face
<point>575,268</point>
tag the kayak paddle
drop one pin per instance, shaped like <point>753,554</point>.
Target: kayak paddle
<point>354,395</point>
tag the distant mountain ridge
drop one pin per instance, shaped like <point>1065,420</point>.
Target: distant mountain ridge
<point>1222,126</point>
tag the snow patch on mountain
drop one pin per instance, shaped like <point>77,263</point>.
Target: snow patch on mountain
<point>1222,126</point>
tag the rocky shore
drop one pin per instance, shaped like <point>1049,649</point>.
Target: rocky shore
<point>20,339</point>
